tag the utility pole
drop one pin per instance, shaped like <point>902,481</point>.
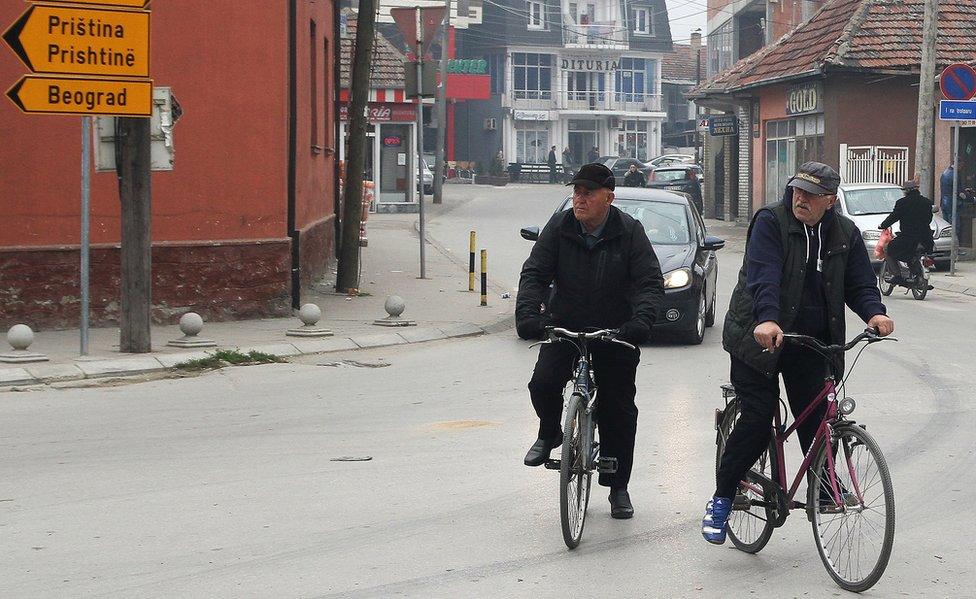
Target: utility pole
<point>925,131</point>
<point>442,111</point>
<point>135,194</point>
<point>420,143</point>
<point>347,278</point>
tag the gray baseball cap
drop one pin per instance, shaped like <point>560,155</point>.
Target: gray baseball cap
<point>815,177</point>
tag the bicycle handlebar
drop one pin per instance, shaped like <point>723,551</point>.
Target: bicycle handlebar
<point>609,335</point>
<point>870,335</point>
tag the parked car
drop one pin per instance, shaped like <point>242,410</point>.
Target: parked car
<point>682,177</point>
<point>428,174</point>
<point>867,204</point>
<point>685,251</point>
<point>669,159</point>
<point>620,167</point>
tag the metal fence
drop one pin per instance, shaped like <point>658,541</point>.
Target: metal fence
<point>873,164</point>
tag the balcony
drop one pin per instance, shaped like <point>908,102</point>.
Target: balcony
<point>607,101</point>
<point>607,35</point>
<point>529,100</point>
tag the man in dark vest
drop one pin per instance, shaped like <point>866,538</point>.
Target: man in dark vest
<point>803,263</point>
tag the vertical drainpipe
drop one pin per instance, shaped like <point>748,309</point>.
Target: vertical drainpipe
<point>292,141</point>
<point>336,86</point>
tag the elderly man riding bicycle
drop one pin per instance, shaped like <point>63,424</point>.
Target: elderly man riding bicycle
<point>606,276</point>
<point>803,263</point>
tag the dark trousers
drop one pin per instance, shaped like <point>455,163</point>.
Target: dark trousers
<point>614,368</point>
<point>552,173</point>
<point>803,374</point>
<point>903,249</point>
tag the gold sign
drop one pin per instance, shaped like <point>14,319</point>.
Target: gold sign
<point>66,95</point>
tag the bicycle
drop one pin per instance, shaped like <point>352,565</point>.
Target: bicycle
<point>844,505</point>
<point>580,449</point>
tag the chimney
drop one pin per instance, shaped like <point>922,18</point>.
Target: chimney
<point>695,40</point>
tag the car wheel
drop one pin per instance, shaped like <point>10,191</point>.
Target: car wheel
<point>942,265</point>
<point>428,190</point>
<point>697,333</point>
<point>710,313</point>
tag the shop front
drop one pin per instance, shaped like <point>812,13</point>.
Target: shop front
<point>391,156</point>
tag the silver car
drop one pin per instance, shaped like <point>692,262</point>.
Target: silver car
<point>868,204</point>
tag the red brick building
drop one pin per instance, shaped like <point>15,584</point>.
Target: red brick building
<point>247,215</point>
<point>847,77</point>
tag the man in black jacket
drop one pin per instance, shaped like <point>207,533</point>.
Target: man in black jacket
<point>552,164</point>
<point>803,263</point>
<point>634,177</point>
<point>914,212</point>
<point>606,276</point>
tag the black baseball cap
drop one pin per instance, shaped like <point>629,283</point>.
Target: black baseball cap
<point>594,176</point>
<point>815,177</point>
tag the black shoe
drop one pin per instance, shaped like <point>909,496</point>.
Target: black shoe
<point>540,450</point>
<point>620,506</point>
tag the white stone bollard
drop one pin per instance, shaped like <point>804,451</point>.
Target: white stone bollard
<point>20,337</point>
<point>394,307</point>
<point>310,315</point>
<point>191,324</point>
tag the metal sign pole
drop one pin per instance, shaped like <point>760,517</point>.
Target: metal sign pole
<point>955,201</point>
<point>420,144</point>
<point>86,124</point>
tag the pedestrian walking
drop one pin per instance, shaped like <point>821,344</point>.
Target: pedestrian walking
<point>552,164</point>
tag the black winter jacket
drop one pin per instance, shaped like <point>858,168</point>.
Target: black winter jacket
<point>914,212</point>
<point>617,282</point>
<point>635,179</point>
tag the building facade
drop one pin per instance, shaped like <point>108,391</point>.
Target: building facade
<point>681,70</point>
<point>582,76</point>
<point>246,217</point>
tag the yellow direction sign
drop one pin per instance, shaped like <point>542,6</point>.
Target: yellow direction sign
<point>66,95</point>
<point>82,41</point>
<point>126,3</point>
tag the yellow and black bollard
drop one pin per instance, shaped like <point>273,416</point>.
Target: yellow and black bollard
<point>471,263</point>
<point>484,277</point>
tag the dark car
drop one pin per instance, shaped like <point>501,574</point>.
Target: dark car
<point>620,167</point>
<point>679,177</point>
<point>686,254</point>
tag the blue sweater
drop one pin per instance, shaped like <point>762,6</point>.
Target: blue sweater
<point>764,270</point>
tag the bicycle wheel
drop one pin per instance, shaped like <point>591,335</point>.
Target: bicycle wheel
<point>854,539</point>
<point>574,478</point>
<point>749,529</point>
<point>886,288</point>
<point>919,293</point>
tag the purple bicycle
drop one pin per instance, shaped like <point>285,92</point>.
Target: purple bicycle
<point>850,500</point>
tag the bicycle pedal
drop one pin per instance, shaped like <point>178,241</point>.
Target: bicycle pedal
<point>607,465</point>
<point>741,502</point>
<point>553,464</point>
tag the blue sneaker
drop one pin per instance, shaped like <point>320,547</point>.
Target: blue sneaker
<point>715,520</point>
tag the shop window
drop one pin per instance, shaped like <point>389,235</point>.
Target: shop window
<point>790,143</point>
<point>634,140</point>
<point>531,143</point>
<point>532,76</point>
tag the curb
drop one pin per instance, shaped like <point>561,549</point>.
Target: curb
<point>46,373</point>
<point>953,287</point>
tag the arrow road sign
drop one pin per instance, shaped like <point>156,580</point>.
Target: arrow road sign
<point>958,82</point>
<point>82,41</point>
<point>66,95</point>
<point>127,3</point>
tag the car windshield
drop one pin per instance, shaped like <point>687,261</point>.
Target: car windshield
<point>609,162</point>
<point>665,223</point>
<point>670,175</point>
<point>880,200</point>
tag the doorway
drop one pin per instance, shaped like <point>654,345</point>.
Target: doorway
<point>583,137</point>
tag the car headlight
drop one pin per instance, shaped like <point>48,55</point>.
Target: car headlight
<point>677,279</point>
<point>871,234</point>
<point>945,233</point>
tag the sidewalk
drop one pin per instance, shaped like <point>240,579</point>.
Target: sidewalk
<point>440,305</point>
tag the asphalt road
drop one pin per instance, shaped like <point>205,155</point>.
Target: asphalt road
<point>224,485</point>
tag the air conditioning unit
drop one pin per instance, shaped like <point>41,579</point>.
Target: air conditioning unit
<point>491,124</point>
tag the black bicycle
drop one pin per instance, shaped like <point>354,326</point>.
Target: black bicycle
<point>580,449</point>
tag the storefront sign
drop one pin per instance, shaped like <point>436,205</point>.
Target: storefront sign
<point>805,98</point>
<point>590,65</point>
<point>531,115</point>
<point>384,112</point>
<point>467,67</point>
<point>722,125</point>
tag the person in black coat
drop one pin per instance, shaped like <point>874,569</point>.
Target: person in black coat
<point>606,275</point>
<point>914,212</point>
<point>552,164</point>
<point>634,177</point>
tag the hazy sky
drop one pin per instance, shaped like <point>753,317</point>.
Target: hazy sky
<point>686,16</point>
